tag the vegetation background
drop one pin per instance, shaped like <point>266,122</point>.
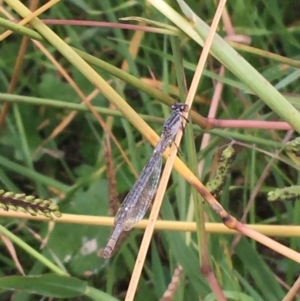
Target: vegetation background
<point>54,148</point>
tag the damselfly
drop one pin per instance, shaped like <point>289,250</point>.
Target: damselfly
<point>138,200</point>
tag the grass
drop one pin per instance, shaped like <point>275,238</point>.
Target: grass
<point>59,103</point>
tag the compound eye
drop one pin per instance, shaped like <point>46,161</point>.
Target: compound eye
<point>176,106</point>
<point>183,108</point>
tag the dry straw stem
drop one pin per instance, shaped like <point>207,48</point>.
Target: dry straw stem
<point>168,168</point>
<point>215,228</point>
<point>293,291</point>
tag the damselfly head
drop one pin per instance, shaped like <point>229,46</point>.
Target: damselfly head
<point>179,107</point>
